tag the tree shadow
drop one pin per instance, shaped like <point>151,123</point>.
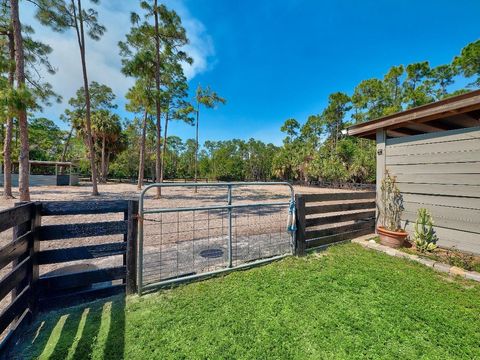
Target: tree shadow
<point>95,329</point>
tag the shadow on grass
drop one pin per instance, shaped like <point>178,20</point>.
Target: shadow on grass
<point>95,329</point>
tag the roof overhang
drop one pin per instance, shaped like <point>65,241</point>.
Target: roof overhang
<point>455,112</point>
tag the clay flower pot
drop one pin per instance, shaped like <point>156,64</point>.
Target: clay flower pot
<point>393,239</point>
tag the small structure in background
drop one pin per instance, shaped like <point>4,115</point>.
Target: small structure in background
<point>434,152</point>
<point>47,173</point>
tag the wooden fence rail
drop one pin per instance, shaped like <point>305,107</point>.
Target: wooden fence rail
<point>19,280</point>
<point>324,219</point>
<point>31,292</point>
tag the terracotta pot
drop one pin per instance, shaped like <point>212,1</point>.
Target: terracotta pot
<point>394,239</point>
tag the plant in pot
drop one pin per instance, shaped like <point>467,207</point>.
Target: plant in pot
<point>391,232</point>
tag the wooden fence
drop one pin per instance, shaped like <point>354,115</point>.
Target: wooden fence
<point>31,292</point>
<point>324,219</point>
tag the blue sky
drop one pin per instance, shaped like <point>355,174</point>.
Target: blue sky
<point>274,60</point>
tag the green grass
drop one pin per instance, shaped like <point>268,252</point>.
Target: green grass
<point>346,303</point>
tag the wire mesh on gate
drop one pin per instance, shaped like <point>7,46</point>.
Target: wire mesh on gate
<point>192,241</point>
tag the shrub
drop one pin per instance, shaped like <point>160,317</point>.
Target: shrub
<point>392,204</point>
<point>425,237</point>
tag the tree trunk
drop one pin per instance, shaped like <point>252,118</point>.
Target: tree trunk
<point>157,100</point>
<point>141,162</point>
<point>103,177</point>
<point>23,177</point>
<point>88,122</point>
<point>107,165</point>
<point>196,146</point>
<point>162,168</point>
<point>7,146</point>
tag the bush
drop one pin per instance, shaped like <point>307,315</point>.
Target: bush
<point>425,237</point>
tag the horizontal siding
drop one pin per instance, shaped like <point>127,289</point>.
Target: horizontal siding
<point>449,217</point>
<point>440,189</point>
<point>463,145</point>
<point>441,172</point>
<point>449,201</point>
<point>448,168</point>
<point>443,179</point>
<point>436,137</point>
<point>434,158</point>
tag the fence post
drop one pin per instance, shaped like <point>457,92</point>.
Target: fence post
<point>18,231</point>
<point>131,239</point>
<point>34,249</point>
<point>300,234</point>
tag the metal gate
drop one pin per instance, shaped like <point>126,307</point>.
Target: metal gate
<point>218,232</point>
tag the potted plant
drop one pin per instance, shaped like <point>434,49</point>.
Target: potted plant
<point>391,232</point>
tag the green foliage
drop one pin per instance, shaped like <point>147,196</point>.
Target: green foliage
<point>468,62</point>
<point>208,98</point>
<point>392,204</point>
<point>44,138</point>
<point>355,304</point>
<point>425,238</point>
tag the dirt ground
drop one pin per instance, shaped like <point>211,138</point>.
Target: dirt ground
<point>177,243</point>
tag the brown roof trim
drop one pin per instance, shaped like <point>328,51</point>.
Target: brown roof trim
<point>447,107</point>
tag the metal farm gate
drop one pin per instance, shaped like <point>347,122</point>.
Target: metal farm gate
<point>216,231</point>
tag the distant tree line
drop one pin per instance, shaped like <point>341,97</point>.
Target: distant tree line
<point>153,54</point>
<point>318,151</point>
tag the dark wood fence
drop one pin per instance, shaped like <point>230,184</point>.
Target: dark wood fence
<point>324,219</point>
<point>31,292</point>
<point>20,279</point>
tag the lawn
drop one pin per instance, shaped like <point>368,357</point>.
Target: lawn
<point>347,302</point>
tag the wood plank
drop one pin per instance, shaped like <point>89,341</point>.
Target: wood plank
<point>444,190</point>
<point>130,260</point>
<point>15,216</point>
<point>428,200</point>
<point>435,158</point>
<point>324,220</point>
<point>79,279</point>
<point>314,243</point>
<point>313,234</point>
<point>14,277</point>
<point>446,179</point>
<point>323,209</point>
<point>15,331</point>
<point>14,249</point>
<point>450,223</point>
<point>337,196</point>
<point>80,253</point>
<point>430,138</point>
<point>80,297</point>
<point>447,212</point>
<point>448,168</point>
<point>83,207</point>
<point>428,148</point>
<point>69,231</point>
<point>300,245</point>
<point>14,309</point>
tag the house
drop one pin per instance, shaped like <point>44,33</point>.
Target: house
<point>434,152</point>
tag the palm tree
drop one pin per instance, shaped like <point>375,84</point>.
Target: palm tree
<point>209,99</point>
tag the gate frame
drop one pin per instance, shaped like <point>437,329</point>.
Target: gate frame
<point>229,207</point>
